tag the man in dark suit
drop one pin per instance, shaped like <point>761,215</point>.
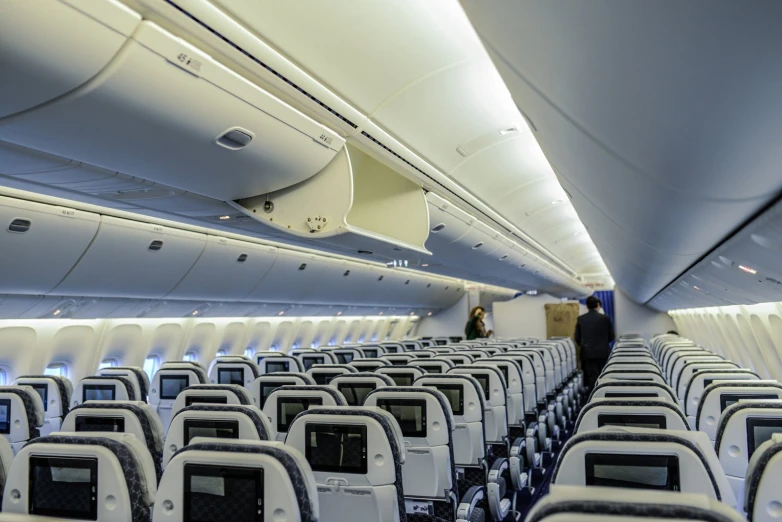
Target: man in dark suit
<point>594,333</point>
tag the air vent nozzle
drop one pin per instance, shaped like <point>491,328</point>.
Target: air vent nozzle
<point>438,228</point>
<point>235,139</point>
<point>476,246</point>
<point>155,245</point>
<point>20,226</point>
<point>303,266</point>
<point>242,258</point>
<point>347,273</point>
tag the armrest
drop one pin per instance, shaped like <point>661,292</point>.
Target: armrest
<point>469,502</point>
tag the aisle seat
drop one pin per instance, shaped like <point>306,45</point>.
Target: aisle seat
<point>762,494</point>
<point>611,389</point>
<point>702,380</point>
<point>721,394</point>
<point>631,412</point>
<point>356,386</point>
<point>402,375</point>
<point>689,372</point>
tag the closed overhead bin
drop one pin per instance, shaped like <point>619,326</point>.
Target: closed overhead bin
<point>164,111</point>
<point>133,259</point>
<point>227,270</point>
<point>290,279</point>
<point>40,244</point>
<point>50,47</point>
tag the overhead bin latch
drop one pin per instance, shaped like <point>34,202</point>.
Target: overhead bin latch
<point>316,224</point>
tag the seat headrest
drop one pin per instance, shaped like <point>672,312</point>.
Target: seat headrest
<point>32,403</point>
<point>120,381</point>
<point>254,414</point>
<point>757,467</point>
<point>61,383</point>
<point>733,409</point>
<point>150,422</point>
<point>294,463</point>
<point>194,367</point>
<point>587,503</point>
<point>637,406</point>
<point>413,390</point>
<point>240,392</point>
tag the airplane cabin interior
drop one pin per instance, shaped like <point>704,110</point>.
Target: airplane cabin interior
<point>390,261</point>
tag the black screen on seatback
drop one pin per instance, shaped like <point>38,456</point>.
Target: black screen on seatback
<point>220,429</point>
<point>111,424</point>
<point>355,393</point>
<point>344,357</point>
<point>759,431</point>
<point>98,392</point>
<point>223,493</point>
<point>336,448</point>
<point>5,416</point>
<point>289,407</point>
<point>230,376</point>
<point>617,395</point>
<point>632,421</point>
<point>205,399</point>
<point>455,395</point>
<point>43,391</point>
<point>707,382</point>
<point>430,368</point>
<point>324,378</point>
<point>267,387</point>
<point>171,385</point>
<point>409,413</point>
<point>729,399</point>
<point>615,470</point>
<point>504,370</point>
<point>402,379</point>
<point>309,362</point>
<point>484,382</point>
<point>273,366</point>
<point>370,353</point>
<point>64,487</point>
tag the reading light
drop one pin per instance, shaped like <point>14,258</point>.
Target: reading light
<point>429,314</point>
<point>381,313</point>
<point>282,312</point>
<point>425,265</point>
<point>695,287</point>
<point>412,314</point>
<point>57,312</point>
<point>748,269</point>
<point>509,130</point>
<point>195,312</point>
<point>223,218</point>
<point>339,313</point>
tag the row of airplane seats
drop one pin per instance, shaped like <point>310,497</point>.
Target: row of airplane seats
<point>466,431</point>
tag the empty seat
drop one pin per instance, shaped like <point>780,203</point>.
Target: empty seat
<point>286,402</point>
<point>630,375</point>
<point>237,480</point>
<point>104,388</point>
<point>81,476</point>
<point>533,378</point>
<point>322,374</point>
<point>643,459</point>
<point>6,457</point>
<point>137,418</point>
<point>310,359</point>
<point>191,365</point>
<point>632,389</point>
<point>701,380</point>
<point>721,394</point>
<point>346,355</point>
<point>743,428</point>
<point>356,455</point>
<point>429,471</point>
<point>222,421</point>
<point>211,394</point>
<point>492,384</point>
<point>279,364</point>
<point>457,358</point>
<point>689,363</point>
<point>264,385</point>
<point>55,398</point>
<point>393,347</point>
<point>127,375</point>
<point>227,370</point>
<point>356,386</point>
<point>516,410</point>
<point>762,494</point>
<point>133,373</point>
<point>402,375</point>
<point>634,413</point>
<point>168,381</point>
<point>682,381</point>
<point>372,351</point>
<point>593,504</point>
<point>21,415</point>
<point>619,365</point>
<point>398,359</point>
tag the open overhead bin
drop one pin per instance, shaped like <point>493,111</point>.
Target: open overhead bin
<point>160,110</point>
<point>354,198</point>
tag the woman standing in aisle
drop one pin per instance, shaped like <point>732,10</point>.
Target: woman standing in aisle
<point>475,328</point>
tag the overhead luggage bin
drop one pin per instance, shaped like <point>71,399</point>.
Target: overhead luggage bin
<point>133,259</point>
<point>45,52</point>
<point>354,201</point>
<point>40,244</point>
<point>164,111</point>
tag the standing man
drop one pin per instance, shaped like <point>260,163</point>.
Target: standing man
<point>594,333</point>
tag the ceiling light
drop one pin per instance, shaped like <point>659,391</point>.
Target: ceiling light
<point>223,218</point>
<point>195,312</point>
<point>57,312</point>
<point>339,313</point>
<point>748,269</point>
<point>429,314</point>
<point>425,264</point>
<point>381,313</point>
<point>412,314</point>
<point>556,201</point>
<point>509,130</point>
<point>282,312</point>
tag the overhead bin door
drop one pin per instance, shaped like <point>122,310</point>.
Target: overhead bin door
<point>165,111</point>
<point>39,244</point>
<point>133,259</point>
<point>227,270</point>
<point>48,47</point>
<point>291,279</point>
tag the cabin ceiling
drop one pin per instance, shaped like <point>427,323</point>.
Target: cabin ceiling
<point>662,122</point>
<point>418,71</point>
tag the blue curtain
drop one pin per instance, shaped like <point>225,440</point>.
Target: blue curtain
<point>607,298</point>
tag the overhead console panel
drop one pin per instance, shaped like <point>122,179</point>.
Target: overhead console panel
<point>160,109</point>
<point>353,197</point>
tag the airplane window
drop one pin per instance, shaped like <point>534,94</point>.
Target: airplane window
<point>191,357</point>
<point>151,364</point>
<point>3,378</point>
<point>58,369</point>
<point>220,353</point>
<point>107,363</point>
<point>249,352</point>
